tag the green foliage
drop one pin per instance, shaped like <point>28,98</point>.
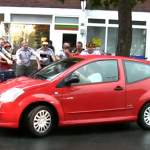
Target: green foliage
<point>107,3</point>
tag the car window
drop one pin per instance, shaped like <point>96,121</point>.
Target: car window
<point>98,72</point>
<point>52,71</point>
<point>136,71</point>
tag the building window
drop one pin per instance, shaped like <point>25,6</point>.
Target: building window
<point>67,20</point>
<point>138,47</point>
<point>113,21</point>
<point>31,18</point>
<point>112,40</point>
<point>139,23</point>
<point>33,34</point>
<point>1,20</point>
<point>97,33</point>
<point>138,42</point>
<point>1,17</point>
<point>101,21</point>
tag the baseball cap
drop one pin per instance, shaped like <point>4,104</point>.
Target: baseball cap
<point>7,44</point>
<point>44,43</point>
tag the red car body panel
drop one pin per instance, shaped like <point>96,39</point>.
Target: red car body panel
<point>81,104</point>
<point>137,94</point>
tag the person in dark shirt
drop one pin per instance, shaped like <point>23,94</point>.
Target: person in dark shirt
<point>51,46</point>
<point>78,49</point>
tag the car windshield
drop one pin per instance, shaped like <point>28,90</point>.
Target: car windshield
<point>53,70</point>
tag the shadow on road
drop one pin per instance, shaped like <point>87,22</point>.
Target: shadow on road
<point>76,130</point>
<point>125,136</point>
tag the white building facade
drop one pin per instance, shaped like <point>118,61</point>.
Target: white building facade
<point>72,25</point>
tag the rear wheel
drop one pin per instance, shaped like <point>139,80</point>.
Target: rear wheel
<point>144,117</point>
<point>40,121</point>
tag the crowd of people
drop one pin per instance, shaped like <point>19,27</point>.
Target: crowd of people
<point>44,55</point>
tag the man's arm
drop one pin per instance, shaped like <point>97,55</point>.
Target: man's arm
<point>53,55</point>
<point>18,56</point>
<point>57,56</point>
<point>36,54</point>
<point>6,53</point>
<point>3,61</point>
<point>38,62</point>
<point>4,57</point>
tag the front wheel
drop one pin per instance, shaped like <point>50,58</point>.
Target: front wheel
<point>40,121</point>
<point>144,117</point>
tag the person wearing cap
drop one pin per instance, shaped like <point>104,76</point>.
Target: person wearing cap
<point>65,52</point>
<point>46,54</point>
<point>4,54</point>
<point>7,47</point>
<point>90,50</point>
<point>3,62</point>
<point>23,56</point>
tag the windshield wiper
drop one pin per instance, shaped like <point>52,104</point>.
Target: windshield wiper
<point>40,76</point>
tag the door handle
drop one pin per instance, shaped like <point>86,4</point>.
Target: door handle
<point>118,88</point>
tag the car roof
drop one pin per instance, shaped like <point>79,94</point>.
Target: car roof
<point>87,57</point>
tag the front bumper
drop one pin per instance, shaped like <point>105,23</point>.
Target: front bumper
<point>8,115</point>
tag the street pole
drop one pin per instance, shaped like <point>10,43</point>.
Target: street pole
<point>83,22</point>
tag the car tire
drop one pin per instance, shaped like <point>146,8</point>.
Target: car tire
<point>144,117</point>
<point>40,121</point>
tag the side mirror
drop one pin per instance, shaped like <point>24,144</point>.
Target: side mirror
<point>72,79</point>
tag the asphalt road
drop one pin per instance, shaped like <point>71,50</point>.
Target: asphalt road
<point>101,137</point>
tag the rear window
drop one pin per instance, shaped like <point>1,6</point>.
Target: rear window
<point>136,71</point>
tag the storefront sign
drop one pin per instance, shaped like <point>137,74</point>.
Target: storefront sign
<point>15,38</point>
<point>66,27</point>
<point>44,39</point>
<point>41,27</point>
<point>97,42</point>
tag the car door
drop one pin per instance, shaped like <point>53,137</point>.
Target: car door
<point>137,85</point>
<point>97,98</point>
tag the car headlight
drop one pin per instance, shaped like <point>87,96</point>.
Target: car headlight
<point>11,94</point>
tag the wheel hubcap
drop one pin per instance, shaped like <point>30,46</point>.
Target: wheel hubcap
<point>42,121</point>
<point>147,116</point>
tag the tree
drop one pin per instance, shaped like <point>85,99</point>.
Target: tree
<point>125,21</point>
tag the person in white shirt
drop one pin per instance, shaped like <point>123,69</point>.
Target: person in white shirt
<point>23,55</point>
<point>91,50</point>
<point>46,54</point>
<point>94,73</point>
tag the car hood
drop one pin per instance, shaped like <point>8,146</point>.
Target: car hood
<point>23,83</point>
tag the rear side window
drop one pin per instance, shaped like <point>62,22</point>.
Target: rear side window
<point>136,71</point>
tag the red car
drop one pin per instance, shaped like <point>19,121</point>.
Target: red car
<point>78,90</point>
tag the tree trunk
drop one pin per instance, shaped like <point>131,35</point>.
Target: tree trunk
<point>125,28</point>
